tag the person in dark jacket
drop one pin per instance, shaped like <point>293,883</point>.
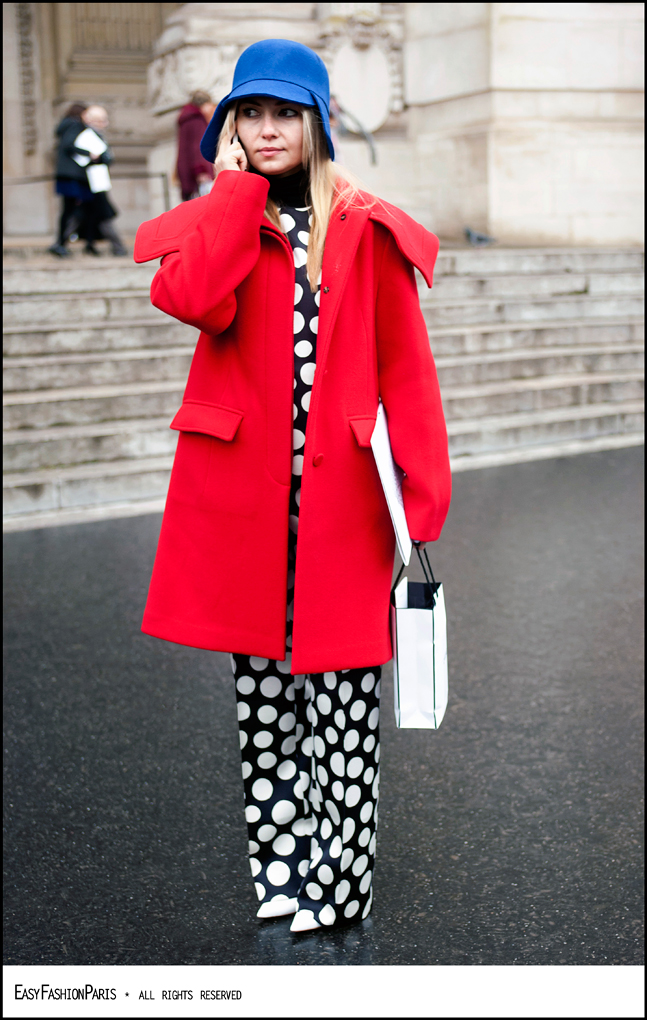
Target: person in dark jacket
<point>192,169</point>
<point>98,210</point>
<point>71,179</point>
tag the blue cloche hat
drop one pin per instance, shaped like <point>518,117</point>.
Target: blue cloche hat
<point>280,68</point>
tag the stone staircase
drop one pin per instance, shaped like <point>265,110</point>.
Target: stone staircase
<point>539,354</point>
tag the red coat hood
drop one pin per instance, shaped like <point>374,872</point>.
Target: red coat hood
<point>161,236</point>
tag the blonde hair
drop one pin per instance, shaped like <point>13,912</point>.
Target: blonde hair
<point>331,186</point>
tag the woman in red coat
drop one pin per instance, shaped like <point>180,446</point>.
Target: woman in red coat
<point>304,291</point>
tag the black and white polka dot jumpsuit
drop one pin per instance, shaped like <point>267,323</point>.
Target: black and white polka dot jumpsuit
<point>310,744</point>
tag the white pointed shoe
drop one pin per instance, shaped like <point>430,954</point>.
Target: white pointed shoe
<point>278,908</point>
<point>304,920</point>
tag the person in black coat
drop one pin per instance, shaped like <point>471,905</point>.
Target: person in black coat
<point>98,210</point>
<point>71,179</point>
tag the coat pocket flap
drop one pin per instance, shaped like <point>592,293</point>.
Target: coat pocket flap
<point>211,419</point>
<point>363,428</point>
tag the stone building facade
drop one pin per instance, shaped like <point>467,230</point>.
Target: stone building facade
<point>524,121</point>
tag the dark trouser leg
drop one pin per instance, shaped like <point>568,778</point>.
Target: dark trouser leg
<point>344,711</point>
<point>67,220</point>
<point>108,230</point>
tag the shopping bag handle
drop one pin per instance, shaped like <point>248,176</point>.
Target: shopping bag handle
<point>427,571</point>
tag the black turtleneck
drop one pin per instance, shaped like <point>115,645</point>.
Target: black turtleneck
<point>291,190</point>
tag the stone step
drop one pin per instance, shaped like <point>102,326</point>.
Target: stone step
<point>482,310</point>
<point>67,445</point>
<point>62,278</point>
<point>121,334</point>
<point>467,369</point>
<point>515,261</point>
<point>80,406</point>
<point>503,432</point>
<point>87,309</point>
<point>43,372</point>
<point>491,337</point>
<point>526,285</point>
<point>86,485</point>
<point>516,395</point>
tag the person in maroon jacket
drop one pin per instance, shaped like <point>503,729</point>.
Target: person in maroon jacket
<point>192,169</point>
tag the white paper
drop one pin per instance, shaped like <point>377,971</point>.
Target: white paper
<point>99,177</point>
<point>420,675</point>
<point>90,141</point>
<point>391,477</point>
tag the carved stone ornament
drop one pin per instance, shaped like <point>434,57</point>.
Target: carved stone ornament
<point>27,77</point>
<point>362,47</point>
<point>173,76</point>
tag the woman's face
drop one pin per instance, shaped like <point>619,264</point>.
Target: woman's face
<point>271,133</point>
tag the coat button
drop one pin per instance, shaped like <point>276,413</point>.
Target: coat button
<point>343,216</point>
<point>317,459</point>
<point>326,289</point>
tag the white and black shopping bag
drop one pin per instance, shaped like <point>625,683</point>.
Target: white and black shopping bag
<point>419,635</point>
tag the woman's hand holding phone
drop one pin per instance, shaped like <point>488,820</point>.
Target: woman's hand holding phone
<point>231,157</point>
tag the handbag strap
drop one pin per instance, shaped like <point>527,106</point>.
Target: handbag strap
<point>426,569</point>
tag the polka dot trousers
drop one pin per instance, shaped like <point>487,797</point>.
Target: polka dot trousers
<point>311,751</point>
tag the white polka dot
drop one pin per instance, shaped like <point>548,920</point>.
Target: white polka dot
<point>377,688</point>
<point>325,874</point>
<point>283,812</point>
<point>271,686</point>
<point>337,790</point>
<point>355,767</point>
<point>367,909</point>
<point>332,810</point>
<point>302,827</point>
<point>278,873</point>
<point>360,865</point>
<point>351,740</point>
<point>353,794</point>
<point>233,663</point>
<point>303,868</point>
<point>266,760</point>
<point>299,322</point>
<point>322,775</point>
<point>285,665</point>
<point>346,858</point>
<point>366,812</point>
<point>286,770</point>
<point>376,786</point>
<point>284,845</point>
<point>340,719</point>
<point>257,663</point>
<point>300,257</point>
<point>358,710</point>
<point>337,763</point>
<point>297,497</point>
<point>289,693</point>
<point>262,789</point>
<point>263,738</point>
<point>364,885</point>
<point>293,523</point>
<point>317,298</point>
<point>266,833</point>
<point>368,682</point>
<point>324,704</point>
<point>289,745</point>
<point>311,714</point>
<point>368,775</point>
<point>372,844</point>
<point>300,788</point>
<point>320,747</point>
<point>364,836</point>
<point>295,411</point>
<point>345,691</point>
<point>369,743</point>
<point>260,890</point>
<point>377,753</point>
<point>297,464</point>
<point>331,735</point>
<point>253,847</point>
<point>252,813</point>
<point>314,891</point>
<point>298,293</point>
<point>247,770</point>
<point>287,721</point>
<point>303,348</point>
<point>307,373</point>
<point>327,915</point>
<point>330,680</point>
<point>245,684</point>
<point>373,718</point>
<point>243,711</point>
<point>267,713</point>
<point>298,439</point>
<point>342,891</point>
<point>326,828</point>
<point>351,908</point>
<point>305,400</point>
<point>287,222</point>
<point>304,237</point>
<point>348,830</point>
<point>242,737</point>
<point>314,324</point>
<point>316,857</point>
<point>306,746</point>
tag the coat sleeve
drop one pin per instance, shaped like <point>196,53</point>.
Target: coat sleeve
<point>196,284</point>
<point>410,393</point>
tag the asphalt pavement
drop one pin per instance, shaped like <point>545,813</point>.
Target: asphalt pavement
<point>510,836</point>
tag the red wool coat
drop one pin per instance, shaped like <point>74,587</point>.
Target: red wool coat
<point>220,574</point>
